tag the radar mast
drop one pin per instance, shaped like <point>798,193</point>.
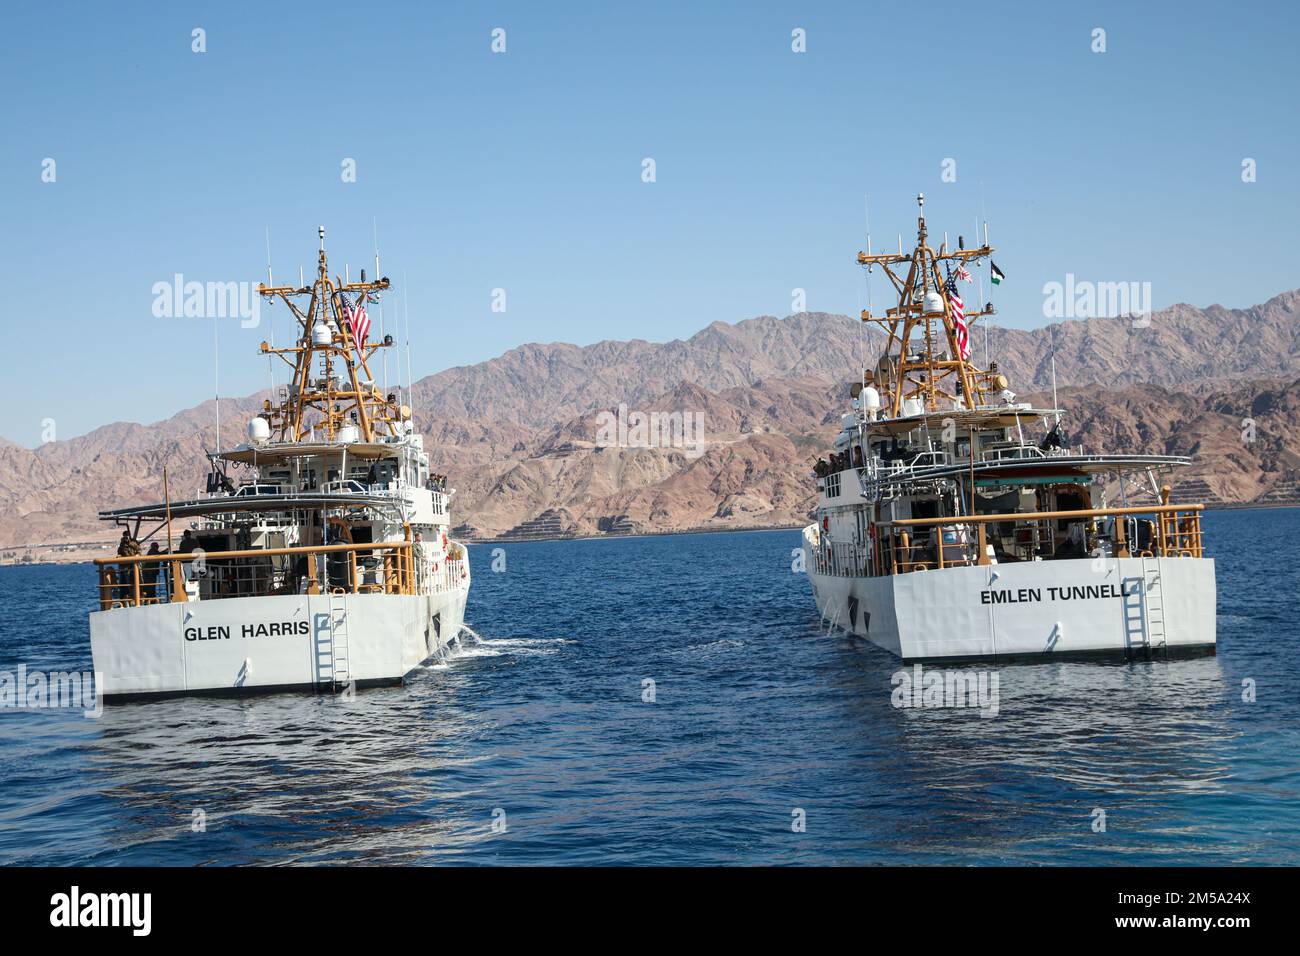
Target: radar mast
<point>332,386</point>
<point>923,359</point>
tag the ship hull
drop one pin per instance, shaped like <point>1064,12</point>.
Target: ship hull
<point>1123,608</point>
<point>260,644</point>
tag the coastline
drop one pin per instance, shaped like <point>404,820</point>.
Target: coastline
<point>601,536</point>
<point>85,555</point>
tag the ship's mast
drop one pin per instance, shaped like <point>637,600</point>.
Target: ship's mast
<point>912,367</point>
<point>332,385</point>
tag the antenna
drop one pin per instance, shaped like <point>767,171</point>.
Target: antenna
<point>216,376</point>
<point>866,277</point>
<point>269,280</point>
<point>378,275</point>
<point>866,214</point>
<point>1055,404</point>
<point>406,304</point>
<point>270,361</point>
<point>983,215</point>
<point>867,204</point>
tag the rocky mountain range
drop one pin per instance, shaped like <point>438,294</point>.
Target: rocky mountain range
<point>519,435</point>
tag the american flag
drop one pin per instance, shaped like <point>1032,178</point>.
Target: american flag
<point>963,274</point>
<point>958,317</point>
<point>358,321</point>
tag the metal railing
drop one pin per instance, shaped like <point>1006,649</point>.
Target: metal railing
<point>1012,453</point>
<point>434,576</point>
<point>382,568</point>
<point>844,560</point>
<point>922,544</point>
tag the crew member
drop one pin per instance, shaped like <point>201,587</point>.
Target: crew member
<point>127,547</point>
<point>421,560</point>
<point>149,571</point>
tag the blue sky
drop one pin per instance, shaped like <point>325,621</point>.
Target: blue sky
<point>522,170</point>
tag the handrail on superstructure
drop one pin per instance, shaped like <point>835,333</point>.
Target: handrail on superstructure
<point>1176,534</point>
<point>399,572</point>
<point>1036,515</point>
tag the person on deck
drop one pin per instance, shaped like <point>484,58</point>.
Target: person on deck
<point>127,547</point>
<point>300,569</point>
<point>149,575</point>
<point>193,570</point>
<point>421,556</point>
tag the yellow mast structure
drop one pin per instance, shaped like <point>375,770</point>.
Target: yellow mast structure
<point>326,344</point>
<point>920,324</point>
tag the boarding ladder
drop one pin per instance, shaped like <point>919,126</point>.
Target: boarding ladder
<point>1144,613</point>
<point>333,667</point>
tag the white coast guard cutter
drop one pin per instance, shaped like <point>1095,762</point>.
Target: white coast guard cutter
<point>954,522</point>
<point>326,565</point>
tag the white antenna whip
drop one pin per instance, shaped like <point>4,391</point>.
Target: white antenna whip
<point>378,275</point>
<point>216,376</point>
<point>270,359</point>
<point>406,303</point>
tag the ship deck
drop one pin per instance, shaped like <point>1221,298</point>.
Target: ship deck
<point>1027,469</point>
<point>265,503</point>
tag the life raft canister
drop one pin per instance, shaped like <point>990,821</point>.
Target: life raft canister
<point>826,523</point>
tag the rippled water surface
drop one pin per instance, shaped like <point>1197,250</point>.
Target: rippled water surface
<point>757,714</point>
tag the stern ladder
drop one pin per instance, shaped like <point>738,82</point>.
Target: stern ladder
<point>333,667</point>
<point>1144,615</point>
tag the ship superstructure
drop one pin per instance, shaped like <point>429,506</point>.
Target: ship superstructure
<point>954,521</point>
<point>318,553</point>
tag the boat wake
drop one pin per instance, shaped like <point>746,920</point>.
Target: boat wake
<point>467,631</point>
<point>470,644</point>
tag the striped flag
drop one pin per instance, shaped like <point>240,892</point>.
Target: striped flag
<point>358,321</point>
<point>958,317</point>
<point>963,274</point>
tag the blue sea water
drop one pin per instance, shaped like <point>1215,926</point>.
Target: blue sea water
<point>759,719</point>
